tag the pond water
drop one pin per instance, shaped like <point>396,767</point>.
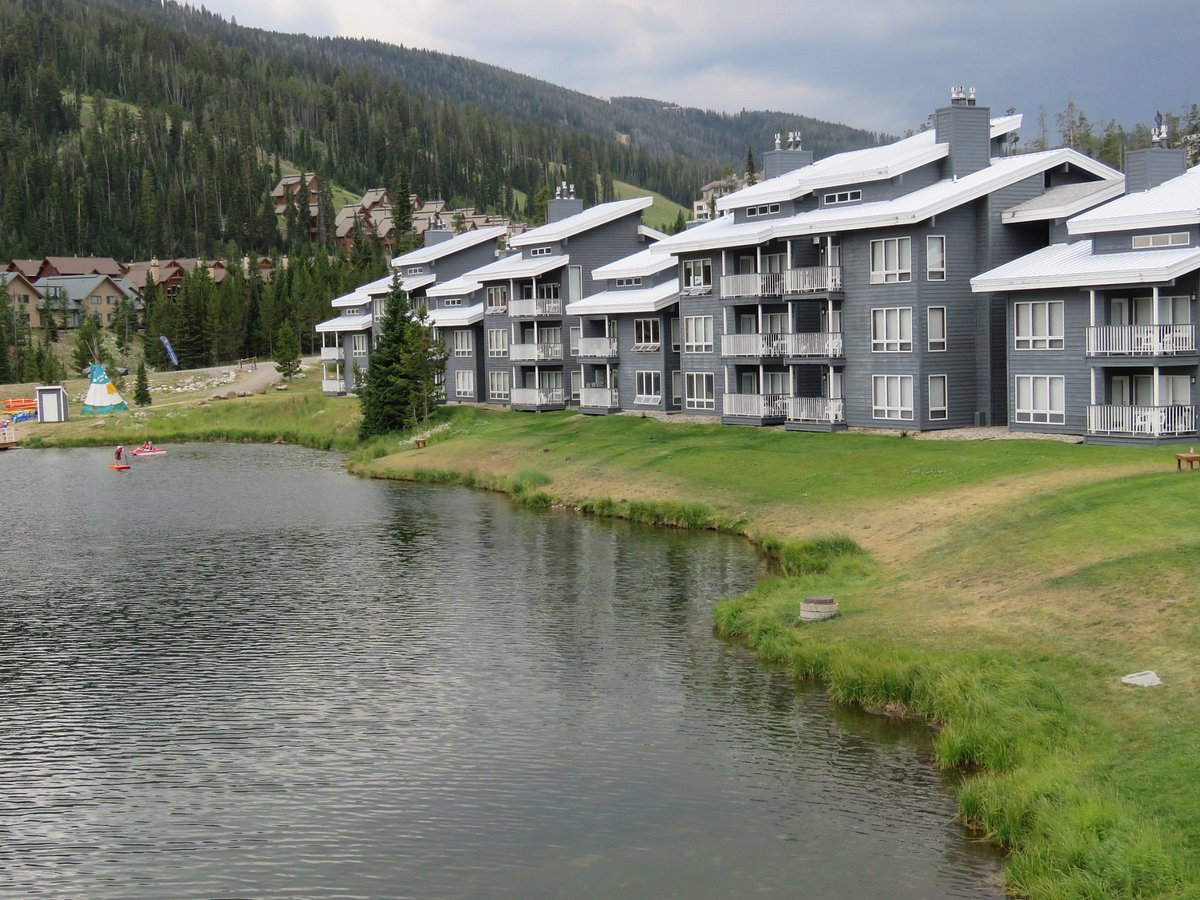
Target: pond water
<point>237,671</point>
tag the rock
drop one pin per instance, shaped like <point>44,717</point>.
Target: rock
<point>1142,679</point>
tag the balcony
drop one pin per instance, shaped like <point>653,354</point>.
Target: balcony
<point>1141,340</point>
<point>539,306</point>
<point>332,354</point>
<point>762,284</point>
<point>596,348</point>
<point>813,280</point>
<point>754,406</point>
<point>1141,421</point>
<point>333,386</point>
<point>535,352</point>
<point>599,398</point>
<point>536,397</point>
<point>821,345</point>
<point>816,411</point>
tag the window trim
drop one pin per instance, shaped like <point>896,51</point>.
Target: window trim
<point>694,279</point>
<point>540,251</point>
<point>464,342</point>
<point>933,273</point>
<point>902,342</point>
<point>690,399</point>
<point>705,344</point>
<point>1049,340</point>
<point>464,384</point>
<point>651,397</point>
<point>1163,239</point>
<point>833,198</point>
<point>1028,415</point>
<point>883,410</point>
<point>497,349</point>
<point>497,290</point>
<point>903,271</point>
<point>654,342</point>
<point>502,393</point>
<point>938,413</point>
<point>358,345</point>
<point>931,340</point>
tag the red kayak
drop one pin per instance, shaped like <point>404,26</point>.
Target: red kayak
<point>148,451</point>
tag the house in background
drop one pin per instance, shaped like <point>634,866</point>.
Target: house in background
<point>23,298</point>
<point>1101,325</point>
<point>838,293</point>
<point>69,298</point>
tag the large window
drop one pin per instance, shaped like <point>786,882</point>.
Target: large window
<point>675,334</point>
<point>892,397</point>
<point>698,334</point>
<point>464,342</point>
<point>697,273</point>
<point>497,385</point>
<point>464,385</point>
<point>1038,325</point>
<point>574,283</point>
<point>645,334</point>
<point>358,344</point>
<point>648,388</point>
<point>497,339</point>
<point>1146,241</point>
<point>935,257</point>
<point>891,329</point>
<point>891,260</point>
<point>699,390</point>
<point>938,406</point>
<point>935,319</point>
<point>1041,399</point>
<point>497,298</point>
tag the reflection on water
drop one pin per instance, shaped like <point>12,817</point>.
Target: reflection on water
<point>238,671</point>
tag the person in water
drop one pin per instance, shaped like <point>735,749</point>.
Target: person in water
<point>118,452</point>
<point>146,445</point>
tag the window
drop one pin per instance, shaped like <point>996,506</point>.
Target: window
<point>698,334</point>
<point>574,283</point>
<point>935,320</point>
<point>464,385</point>
<point>414,270</point>
<point>1146,241</point>
<point>697,273</point>
<point>891,329</point>
<point>1040,399</point>
<point>700,390</point>
<point>576,385</point>
<point>452,301</point>
<point>540,251</point>
<point>892,397</point>
<point>937,397</point>
<point>645,334</point>
<point>464,342</point>
<point>358,344</point>
<point>497,299</point>
<point>351,311</point>
<point>648,388</point>
<point>95,300</point>
<point>891,260</point>
<point>497,385</point>
<point>548,290</point>
<point>377,309</point>
<point>842,197</point>
<point>935,257</point>
<point>573,336</point>
<point>1038,325</point>
<point>675,334</point>
<point>627,282</point>
<point>497,342</point>
<point>677,387</point>
<point>765,210</point>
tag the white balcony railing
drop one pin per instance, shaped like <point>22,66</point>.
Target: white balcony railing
<point>536,397</point>
<point>1142,421</point>
<point>597,347</point>
<point>539,306</point>
<point>815,344</point>
<point>599,397</point>
<point>754,406</point>
<point>332,385</point>
<point>534,352</point>
<point>1140,340</point>
<point>813,280</point>
<point>816,410</point>
<point>332,354</point>
<point>755,284</point>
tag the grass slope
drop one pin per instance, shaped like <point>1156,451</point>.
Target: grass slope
<point>661,214</point>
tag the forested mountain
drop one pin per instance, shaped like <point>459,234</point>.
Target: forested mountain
<point>133,128</point>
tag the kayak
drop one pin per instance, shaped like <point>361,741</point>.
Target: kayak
<point>152,451</point>
<point>118,465</point>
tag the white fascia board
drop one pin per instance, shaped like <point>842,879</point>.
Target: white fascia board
<point>1171,219</point>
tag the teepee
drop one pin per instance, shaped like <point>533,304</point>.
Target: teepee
<point>102,396</point>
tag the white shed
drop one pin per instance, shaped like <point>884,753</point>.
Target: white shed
<point>51,403</point>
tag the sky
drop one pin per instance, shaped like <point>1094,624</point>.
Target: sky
<point>884,65</point>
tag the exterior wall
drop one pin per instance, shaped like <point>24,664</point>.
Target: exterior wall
<point>473,364</point>
<point>1152,166</point>
<point>1071,362</point>
<point>456,264</point>
<point>1122,241</point>
<point>968,131</point>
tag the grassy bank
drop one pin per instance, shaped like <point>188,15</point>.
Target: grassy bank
<point>998,589</point>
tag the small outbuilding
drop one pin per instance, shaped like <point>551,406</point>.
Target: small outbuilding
<point>51,403</point>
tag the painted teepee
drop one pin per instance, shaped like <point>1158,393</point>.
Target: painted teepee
<point>102,396</point>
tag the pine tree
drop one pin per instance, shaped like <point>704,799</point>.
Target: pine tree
<point>141,391</point>
<point>751,175</point>
<point>287,350</point>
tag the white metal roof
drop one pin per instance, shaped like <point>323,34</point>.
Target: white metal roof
<point>516,267</point>
<point>346,323</point>
<point>456,316</point>
<point>600,214</point>
<point>1064,201</point>
<point>719,232</point>
<point>1174,202</point>
<point>354,298</point>
<point>1078,266</point>
<point>459,242</point>
<point>641,300</point>
<point>653,233</point>
<point>455,287</point>
<point>639,265</point>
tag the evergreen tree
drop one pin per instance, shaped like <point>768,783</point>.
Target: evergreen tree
<point>141,391</point>
<point>751,175</point>
<point>7,347</point>
<point>287,351</point>
<point>89,345</point>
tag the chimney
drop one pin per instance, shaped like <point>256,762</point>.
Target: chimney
<point>1157,163</point>
<point>782,160</point>
<point>967,129</point>
<point>564,205</point>
<point>437,232</point>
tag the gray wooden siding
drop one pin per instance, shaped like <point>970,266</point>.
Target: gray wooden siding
<point>1122,241</point>
<point>1070,362</point>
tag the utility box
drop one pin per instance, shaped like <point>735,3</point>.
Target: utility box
<point>51,403</point>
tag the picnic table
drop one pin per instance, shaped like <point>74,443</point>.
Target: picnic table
<point>1191,458</point>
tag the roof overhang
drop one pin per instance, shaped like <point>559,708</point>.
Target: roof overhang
<point>643,300</point>
<point>1065,266</point>
<point>456,316</point>
<point>345,323</point>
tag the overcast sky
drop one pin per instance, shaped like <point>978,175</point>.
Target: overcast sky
<point>877,64</point>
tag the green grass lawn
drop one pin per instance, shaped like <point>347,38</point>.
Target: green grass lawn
<point>661,214</point>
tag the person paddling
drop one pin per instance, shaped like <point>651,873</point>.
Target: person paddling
<point>118,453</point>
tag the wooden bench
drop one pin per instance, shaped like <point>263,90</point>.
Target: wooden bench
<point>1190,458</point>
<point>420,442</point>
